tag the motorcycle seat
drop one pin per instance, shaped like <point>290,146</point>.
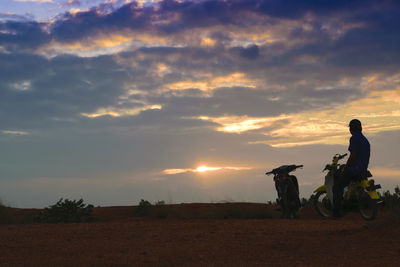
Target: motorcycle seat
<point>365,175</point>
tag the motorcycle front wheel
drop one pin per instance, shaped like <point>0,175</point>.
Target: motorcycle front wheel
<point>322,204</point>
<point>367,206</point>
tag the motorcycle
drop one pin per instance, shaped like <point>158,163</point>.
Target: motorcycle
<point>359,194</point>
<point>288,190</point>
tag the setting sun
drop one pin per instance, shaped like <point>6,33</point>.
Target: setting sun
<point>205,169</point>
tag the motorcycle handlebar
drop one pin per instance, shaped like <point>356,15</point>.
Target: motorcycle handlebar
<point>342,156</point>
<point>290,169</point>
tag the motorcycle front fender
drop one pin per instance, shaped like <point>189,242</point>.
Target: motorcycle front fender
<point>320,189</point>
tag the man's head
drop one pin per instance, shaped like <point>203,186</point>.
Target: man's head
<point>355,126</point>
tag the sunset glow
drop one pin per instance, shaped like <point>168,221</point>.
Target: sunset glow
<point>204,168</point>
<point>191,100</point>
<point>380,110</point>
<point>119,112</point>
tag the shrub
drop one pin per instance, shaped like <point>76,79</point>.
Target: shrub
<point>143,208</point>
<point>392,201</point>
<point>160,203</point>
<point>4,214</point>
<point>158,210</point>
<point>308,202</point>
<point>66,211</point>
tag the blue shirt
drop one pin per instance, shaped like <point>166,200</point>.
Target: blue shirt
<point>360,145</point>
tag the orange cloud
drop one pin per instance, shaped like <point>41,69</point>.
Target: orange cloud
<point>206,41</point>
<point>116,112</point>
<point>379,111</point>
<point>240,124</point>
<point>103,44</point>
<point>232,80</point>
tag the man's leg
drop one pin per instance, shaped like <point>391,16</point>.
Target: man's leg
<point>340,182</point>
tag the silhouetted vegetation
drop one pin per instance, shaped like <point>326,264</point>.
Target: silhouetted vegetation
<point>307,202</point>
<point>66,211</point>
<point>392,201</point>
<point>5,216</point>
<point>143,208</point>
<point>9,215</point>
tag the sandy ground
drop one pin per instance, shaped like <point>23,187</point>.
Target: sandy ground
<point>126,240</point>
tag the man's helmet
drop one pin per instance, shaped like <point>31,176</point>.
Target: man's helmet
<point>355,125</point>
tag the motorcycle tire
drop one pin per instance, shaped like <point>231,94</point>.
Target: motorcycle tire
<point>367,206</point>
<point>288,208</point>
<point>323,205</point>
<point>285,207</point>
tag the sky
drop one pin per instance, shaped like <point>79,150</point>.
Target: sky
<point>191,101</point>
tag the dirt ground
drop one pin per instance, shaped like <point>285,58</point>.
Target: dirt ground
<point>125,240</point>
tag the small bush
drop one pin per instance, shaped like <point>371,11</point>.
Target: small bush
<point>160,203</point>
<point>66,211</point>
<point>158,210</point>
<point>143,208</point>
<point>308,202</point>
<point>5,216</point>
<point>392,201</point>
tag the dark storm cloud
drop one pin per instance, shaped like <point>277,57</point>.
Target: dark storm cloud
<point>296,9</point>
<point>381,34</point>
<point>173,17</point>
<point>251,52</point>
<point>73,27</point>
<point>22,35</point>
<point>256,103</point>
<point>61,87</point>
<point>214,12</point>
<point>200,14</point>
<point>66,86</point>
<point>320,90</point>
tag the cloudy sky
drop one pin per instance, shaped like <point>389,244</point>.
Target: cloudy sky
<point>190,101</point>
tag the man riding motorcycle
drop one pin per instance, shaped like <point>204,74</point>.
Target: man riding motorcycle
<point>356,165</point>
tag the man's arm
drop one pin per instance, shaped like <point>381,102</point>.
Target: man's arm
<point>351,160</point>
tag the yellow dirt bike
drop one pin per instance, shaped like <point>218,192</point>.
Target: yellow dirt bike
<point>360,194</point>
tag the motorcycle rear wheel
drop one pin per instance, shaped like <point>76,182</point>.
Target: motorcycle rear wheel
<point>367,206</point>
<point>322,204</point>
<point>287,210</point>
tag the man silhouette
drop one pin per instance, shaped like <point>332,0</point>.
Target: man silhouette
<point>357,164</point>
